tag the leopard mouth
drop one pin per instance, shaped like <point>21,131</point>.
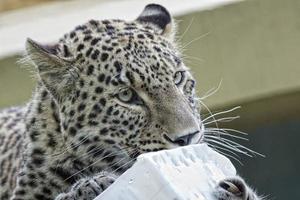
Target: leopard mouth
<point>166,137</point>
<point>183,140</point>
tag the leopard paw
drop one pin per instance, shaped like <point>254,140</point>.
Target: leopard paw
<point>234,188</point>
<point>88,188</point>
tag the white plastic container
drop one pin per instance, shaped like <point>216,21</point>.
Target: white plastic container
<point>186,173</point>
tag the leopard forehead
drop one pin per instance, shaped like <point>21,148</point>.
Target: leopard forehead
<point>112,45</point>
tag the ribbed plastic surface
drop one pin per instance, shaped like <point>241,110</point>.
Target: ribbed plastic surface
<point>186,173</point>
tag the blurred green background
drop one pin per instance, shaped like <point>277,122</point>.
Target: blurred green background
<point>253,49</point>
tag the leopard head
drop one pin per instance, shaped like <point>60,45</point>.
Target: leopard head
<point>121,83</point>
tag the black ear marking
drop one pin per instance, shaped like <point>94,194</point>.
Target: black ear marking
<point>155,14</point>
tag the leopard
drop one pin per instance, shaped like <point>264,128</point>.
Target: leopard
<point>107,92</point>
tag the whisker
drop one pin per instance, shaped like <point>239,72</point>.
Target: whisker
<point>211,91</point>
<point>195,39</point>
<point>186,30</point>
<point>225,149</point>
<point>225,154</point>
<point>68,148</point>
<point>221,142</point>
<point>242,147</point>
<point>224,119</point>
<point>221,138</point>
<point>126,163</point>
<point>202,103</point>
<point>225,134</point>
<point>264,197</point>
<point>229,129</point>
<point>88,153</point>
<point>187,57</point>
<point>233,145</point>
<point>109,155</point>
<point>221,112</point>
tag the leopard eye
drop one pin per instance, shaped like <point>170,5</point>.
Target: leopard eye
<point>178,77</point>
<point>189,86</point>
<point>129,96</point>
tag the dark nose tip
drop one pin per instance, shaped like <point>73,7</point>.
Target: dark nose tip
<point>185,140</point>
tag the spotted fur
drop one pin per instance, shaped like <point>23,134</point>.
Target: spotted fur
<point>107,91</point>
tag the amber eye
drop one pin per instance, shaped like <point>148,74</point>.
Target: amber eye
<point>178,77</point>
<point>129,96</point>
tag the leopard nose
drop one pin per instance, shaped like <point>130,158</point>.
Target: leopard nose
<point>185,140</point>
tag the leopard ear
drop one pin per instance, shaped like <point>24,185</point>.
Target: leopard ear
<point>159,17</point>
<point>56,73</point>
